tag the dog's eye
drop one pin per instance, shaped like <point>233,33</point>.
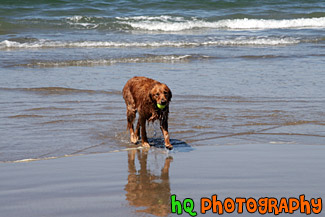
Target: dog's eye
<point>157,94</point>
<point>165,93</point>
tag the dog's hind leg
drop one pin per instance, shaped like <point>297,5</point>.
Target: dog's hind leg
<point>137,130</point>
<point>131,114</point>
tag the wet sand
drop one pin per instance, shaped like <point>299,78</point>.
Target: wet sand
<point>136,182</point>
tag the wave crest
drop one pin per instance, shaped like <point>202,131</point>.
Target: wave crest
<point>95,62</point>
<point>235,41</point>
<point>174,24</point>
<point>165,23</point>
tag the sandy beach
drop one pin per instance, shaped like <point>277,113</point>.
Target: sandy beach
<point>137,182</point>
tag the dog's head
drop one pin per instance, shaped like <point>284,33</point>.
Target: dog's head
<point>160,94</point>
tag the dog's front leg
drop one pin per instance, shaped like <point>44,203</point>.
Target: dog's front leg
<point>164,130</point>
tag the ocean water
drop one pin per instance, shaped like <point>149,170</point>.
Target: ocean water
<point>241,72</point>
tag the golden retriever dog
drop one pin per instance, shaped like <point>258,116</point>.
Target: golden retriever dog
<point>151,100</point>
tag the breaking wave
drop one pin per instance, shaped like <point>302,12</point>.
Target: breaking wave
<point>95,62</point>
<point>166,23</point>
<point>174,24</point>
<point>237,41</point>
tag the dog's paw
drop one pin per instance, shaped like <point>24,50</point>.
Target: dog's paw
<point>169,146</point>
<point>133,138</point>
<point>145,145</point>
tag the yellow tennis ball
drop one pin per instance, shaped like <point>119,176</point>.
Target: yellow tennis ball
<point>160,106</point>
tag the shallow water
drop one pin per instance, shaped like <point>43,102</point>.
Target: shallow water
<point>240,73</point>
<point>41,122</point>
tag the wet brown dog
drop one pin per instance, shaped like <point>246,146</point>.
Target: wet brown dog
<point>151,100</point>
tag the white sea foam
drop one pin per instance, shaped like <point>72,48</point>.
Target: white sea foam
<point>238,41</point>
<point>82,22</point>
<point>90,62</point>
<point>75,18</point>
<point>174,24</point>
<point>27,160</point>
<point>162,18</point>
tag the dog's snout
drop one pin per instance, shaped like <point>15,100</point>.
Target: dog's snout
<point>163,102</point>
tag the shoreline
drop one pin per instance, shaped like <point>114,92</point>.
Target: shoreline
<point>139,183</point>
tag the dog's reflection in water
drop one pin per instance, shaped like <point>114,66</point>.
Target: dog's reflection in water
<point>145,189</point>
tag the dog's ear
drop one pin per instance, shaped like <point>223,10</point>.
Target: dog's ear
<point>150,95</point>
<point>169,95</point>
